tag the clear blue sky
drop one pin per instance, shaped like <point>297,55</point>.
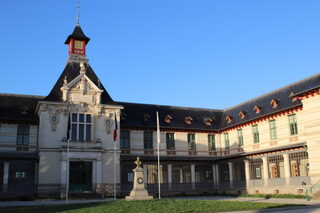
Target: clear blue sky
<point>197,53</point>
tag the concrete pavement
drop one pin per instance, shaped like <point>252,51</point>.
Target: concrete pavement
<point>49,202</point>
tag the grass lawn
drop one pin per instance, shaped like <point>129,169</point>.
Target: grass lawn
<point>152,206</point>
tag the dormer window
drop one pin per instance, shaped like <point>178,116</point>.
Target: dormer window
<point>168,119</point>
<point>274,103</point>
<point>257,109</point>
<point>242,114</point>
<point>188,120</point>
<point>146,117</point>
<point>208,121</point>
<point>229,119</point>
<point>123,116</point>
<point>292,94</point>
<point>24,110</point>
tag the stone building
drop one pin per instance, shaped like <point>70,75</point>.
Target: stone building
<point>269,144</point>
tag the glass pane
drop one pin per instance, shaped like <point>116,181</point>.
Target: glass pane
<point>148,143</point>
<point>74,132</point>
<point>125,139</point>
<point>81,132</point>
<point>26,140</point>
<point>81,117</point>
<point>20,129</point>
<point>74,117</point>
<point>88,132</point>
<point>19,139</point>
<point>78,44</point>
<point>88,118</point>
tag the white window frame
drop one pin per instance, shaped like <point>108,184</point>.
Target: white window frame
<point>85,123</point>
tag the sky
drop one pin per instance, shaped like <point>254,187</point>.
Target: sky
<point>193,53</point>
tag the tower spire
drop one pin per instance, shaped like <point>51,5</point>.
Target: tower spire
<point>78,12</point>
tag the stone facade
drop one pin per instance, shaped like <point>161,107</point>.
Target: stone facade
<point>67,140</point>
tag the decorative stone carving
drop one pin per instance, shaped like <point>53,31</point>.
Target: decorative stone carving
<point>65,83</point>
<point>54,119</point>
<point>83,107</point>
<point>54,112</point>
<point>83,67</point>
<point>109,124</point>
<point>43,108</point>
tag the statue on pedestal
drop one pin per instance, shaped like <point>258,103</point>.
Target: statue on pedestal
<point>138,192</point>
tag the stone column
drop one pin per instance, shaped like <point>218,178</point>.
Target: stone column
<point>217,176</point>
<point>265,171</point>
<point>181,175</point>
<point>63,177</point>
<point>5,176</point>
<point>286,168</point>
<point>193,177</point>
<point>98,176</point>
<point>230,165</point>
<point>145,174</point>
<point>214,179</point>
<point>170,176</point>
<point>247,172</point>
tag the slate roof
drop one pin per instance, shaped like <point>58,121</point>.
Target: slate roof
<point>72,71</point>
<point>282,95</point>
<point>135,117</point>
<point>11,106</point>
<point>77,34</point>
<point>19,108</point>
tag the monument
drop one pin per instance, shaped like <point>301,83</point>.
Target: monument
<point>138,192</point>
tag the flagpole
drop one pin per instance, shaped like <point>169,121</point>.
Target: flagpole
<point>158,143</point>
<point>67,173</point>
<point>67,161</point>
<point>115,133</point>
<point>114,172</point>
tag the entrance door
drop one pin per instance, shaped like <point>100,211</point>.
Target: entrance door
<point>80,177</point>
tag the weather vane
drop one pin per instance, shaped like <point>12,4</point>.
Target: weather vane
<point>78,12</point>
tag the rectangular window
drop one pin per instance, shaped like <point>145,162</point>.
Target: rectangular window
<point>170,141</point>
<point>240,137</point>
<point>23,135</point>
<point>124,139</point>
<point>212,142</point>
<point>20,175</point>
<point>293,124</point>
<point>299,163</point>
<point>181,174</point>
<point>226,141</point>
<point>273,129</point>
<point>81,127</point>
<point>276,166</point>
<point>255,169</point>
<point>78,44</point>
<point>255,134</point>
<point>191,141</point>
<point>148,139</point>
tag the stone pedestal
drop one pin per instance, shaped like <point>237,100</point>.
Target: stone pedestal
<point>138,192</point>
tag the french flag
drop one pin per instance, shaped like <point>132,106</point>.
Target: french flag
<point>115,131</point>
